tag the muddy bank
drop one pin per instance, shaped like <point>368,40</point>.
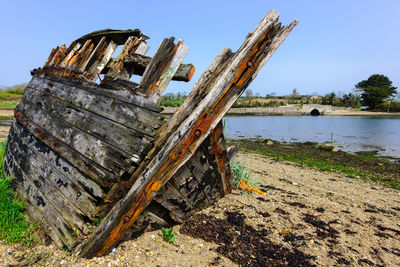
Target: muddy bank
<point>311,154</point>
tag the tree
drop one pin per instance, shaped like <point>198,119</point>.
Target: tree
<point>329,99</point>
<point>249,93</point>
<point>354,100</point>
<point>375,90</point>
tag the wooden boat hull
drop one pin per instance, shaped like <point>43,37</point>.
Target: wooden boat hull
<point>71,142</point>
<point>97,162</point>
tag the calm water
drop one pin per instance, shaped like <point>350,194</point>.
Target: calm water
<point>349,133</point>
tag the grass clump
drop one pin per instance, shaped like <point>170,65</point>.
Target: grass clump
<point>239,172</point>
<point>4,96</point>
<point>3,146</point>
<point>14,228</point>
<point>168,235</point>
<point>8,105</point>
<point>241,178</point>
<point>2,118</point>
<point>171,102</point>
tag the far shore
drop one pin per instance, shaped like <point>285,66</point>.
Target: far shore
<point>294,110</point>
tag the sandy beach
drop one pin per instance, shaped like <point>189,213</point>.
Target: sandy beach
<point>306,217</point>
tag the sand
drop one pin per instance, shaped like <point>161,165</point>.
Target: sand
<point>305,216</point>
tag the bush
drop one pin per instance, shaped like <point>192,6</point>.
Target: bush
<point>394,107</point>
<point>16,89</point>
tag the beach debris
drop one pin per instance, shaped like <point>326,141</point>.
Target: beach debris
<point>329,147</point>
<point>245,186</point>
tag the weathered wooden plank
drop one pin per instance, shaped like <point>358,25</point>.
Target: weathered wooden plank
<point>97,173</point>
<point>170,198</point>
<point>218,158</point>
<point>58,55</point>
<point>52,53</point>
<point>99,58</point>
<point>123,96</point>
<point>84,54</point>
<point>126,139</point>
<point>42,178</point>
<point>158,63</point>
<point>163,67</point>
<point>137,64</point>
<point>205,174</point>
<point>32,213</point>
<point>187,184</point>
<point>43,225</point>
<point>191,132</point>
<point>63,166</point>
<point>134,117</point>
<point>184,73</point>
<point>71,51</point>
<point>140,50</point>
<point>43,209</point>
<point>77,57</point>
<point>232,152</point>
<point>114,83</point>
<point>109,157</point>
<point>148,218</point>
<point>129,47</point>
<point>70,189</point>
<point>118,36</point>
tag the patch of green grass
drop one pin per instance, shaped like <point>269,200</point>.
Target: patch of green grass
<point>14,228</point>
<point>3,146</point>
<point>368,156</point>
<point>168,235</point>
<point>9,96</point>
<point>171,103</point>
<point>97,221</point>
<point>328,167</point>
<point>8,105</point>
<point>6,117</point>
<point>241,172</point>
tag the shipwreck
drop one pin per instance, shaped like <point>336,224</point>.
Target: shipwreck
<point>93,157</point>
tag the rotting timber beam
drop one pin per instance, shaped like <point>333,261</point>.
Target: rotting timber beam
<point>136,64</point>
<point>118,36</point>
<point>181,143</point>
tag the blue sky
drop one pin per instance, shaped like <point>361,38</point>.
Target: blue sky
<point>335,45</point>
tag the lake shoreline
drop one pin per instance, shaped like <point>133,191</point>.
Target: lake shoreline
<point>294,110</point>
<point>364,164</point>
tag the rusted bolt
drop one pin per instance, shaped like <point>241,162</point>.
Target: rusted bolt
<point>197,133</point>
<point>249,64</point>
<point>126,219</point>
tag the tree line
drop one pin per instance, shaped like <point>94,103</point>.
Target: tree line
<point>377,93</point>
